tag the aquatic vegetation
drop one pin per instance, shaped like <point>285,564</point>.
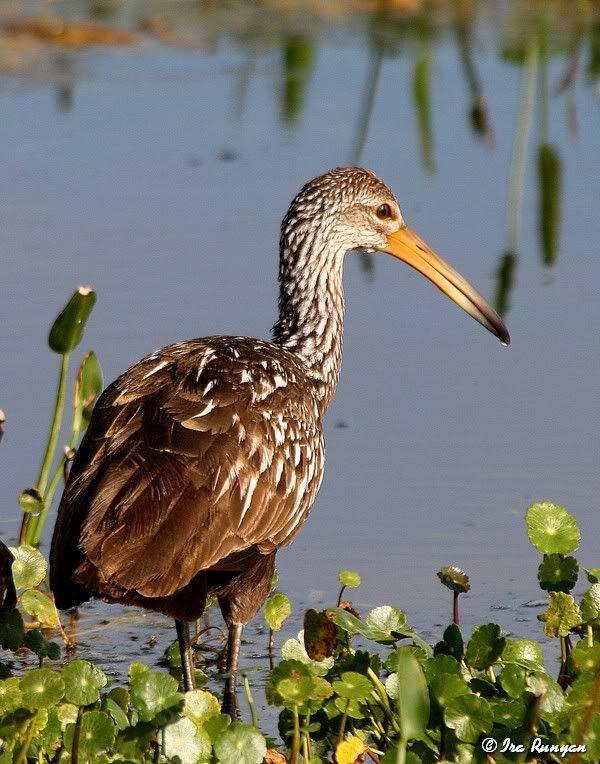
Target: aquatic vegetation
<point>351,687</point>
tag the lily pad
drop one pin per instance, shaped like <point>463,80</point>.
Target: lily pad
<point>97,734</point>
<point>41,688</point>
<point>155,695</point>
<point>485,646</point>
<point>551,529</point>
<point>353,686</point>
<point>349,578</point>
<point>562,614</point>
<point>83,681</point>
<point>29,566</point>
<point>241,744</point>
<point>558,573</point>
<point>182,739</point>
<point>469,716</point>
<point>277,609</point>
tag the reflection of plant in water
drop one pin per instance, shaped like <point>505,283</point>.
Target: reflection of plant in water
<point>298,62</point>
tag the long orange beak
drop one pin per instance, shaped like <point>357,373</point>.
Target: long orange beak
<point>407,246</point>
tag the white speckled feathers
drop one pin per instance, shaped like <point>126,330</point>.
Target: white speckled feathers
<point>199,452</point>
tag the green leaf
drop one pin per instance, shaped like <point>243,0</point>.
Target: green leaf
<point>444,687</point>
<point>83,681</point>
<point>386,619</point>
<point>562,614</point>
<point>40,607</point>
<point>512,680</point>
<point>41,688</point>
<point>97,733</point>
<point>586,657</point>
<point>67,330</point>
<point>590,604</point>
<point>551,529</point>
<point>12,630</point>
<point>277,609</point>
<point>88,386</point>
<point>452,643</point>
<point>10,695</point>
<point>541,684</point>
<point>469,716</point>
<point>524,652</point>
<point>29,566</point>
<point>215,726</point>
<point>293,649</point>
<point>182,739</point>
<point>412,698</point>
<point>353,686</point>
<point>593,575</point>
<point>558,573</point>
<point>155,695</point>
<point>454,578</point>
<point>38,644</point>
<point>241,744</point>
<point>320,635</point>
<point>440,665</point>
<point>116,713</point>
<point>200,705</point>
<point>349,578</point>
<point>485,646</point>
<point>295,691</point>
<point>509,713</point>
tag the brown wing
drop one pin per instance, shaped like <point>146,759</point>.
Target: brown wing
<point>197,453</point>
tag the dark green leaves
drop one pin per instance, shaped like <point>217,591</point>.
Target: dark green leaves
<point>454,578</point>
<point>67,330</point>
<point>469,716</point>
<point>485,646</point>
<point>412,696</point>
<point>88,386</point>
<point>558,573</point>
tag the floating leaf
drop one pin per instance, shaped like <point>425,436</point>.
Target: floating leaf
<point>551,529</point>
<point>88,386</point>
<point>182,739</point>
<point>241,744</point>
<point>485,646</point>
<point>558,573</point>
<point>590,604</point>
<point>524,652</point>
<point>469,716</point>
<point>353,686</point>
<point>40,607</point>
<point>454,578</point>
<point>349,578</point>
<point>350,751</point>
<point>41,688</point>
<point>320,635</point>
<point>29,566</point>
<point>97,733</point>
<point>155,695</point>
<point>277,609</point>
<point>562,614</point>
<point>67,330</point>
<point>83,681</point>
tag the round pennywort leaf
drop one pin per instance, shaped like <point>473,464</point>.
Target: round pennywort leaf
<point>469,716</point>
<point>29,566</point>
<point>551,529</point>
<point>349,578</point>
<point>558,573</point>
<point>241,744</point>
<point>41,688</point>
<point>83,681</point>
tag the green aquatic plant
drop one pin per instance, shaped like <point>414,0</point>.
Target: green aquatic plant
<point>65,335</point>
<point>350,688</point>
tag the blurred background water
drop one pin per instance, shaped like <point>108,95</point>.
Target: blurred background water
<point>157,166</point>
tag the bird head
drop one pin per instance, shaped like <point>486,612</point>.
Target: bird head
<point>350,208</point>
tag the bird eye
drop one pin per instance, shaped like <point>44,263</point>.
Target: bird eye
<point>384,211</point>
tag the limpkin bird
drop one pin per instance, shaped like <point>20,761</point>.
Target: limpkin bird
<point>205,457</point>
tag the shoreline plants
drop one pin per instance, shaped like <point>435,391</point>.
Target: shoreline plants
<point>352,688</point>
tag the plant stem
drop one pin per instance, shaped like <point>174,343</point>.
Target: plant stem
<point>343,720</point>
<point>22,757</point>
<point>76,736</point>
<point>383,698</point>
<point>250,700</point>
<point>296,740</point>
<point>455,613</point>
<point>401,754</point>
<point>26,534</point>
<point>590,634</point>
<point>340,595</point>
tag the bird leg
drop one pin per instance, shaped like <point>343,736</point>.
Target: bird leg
<point>185,648</point>
<point>233,653</point>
